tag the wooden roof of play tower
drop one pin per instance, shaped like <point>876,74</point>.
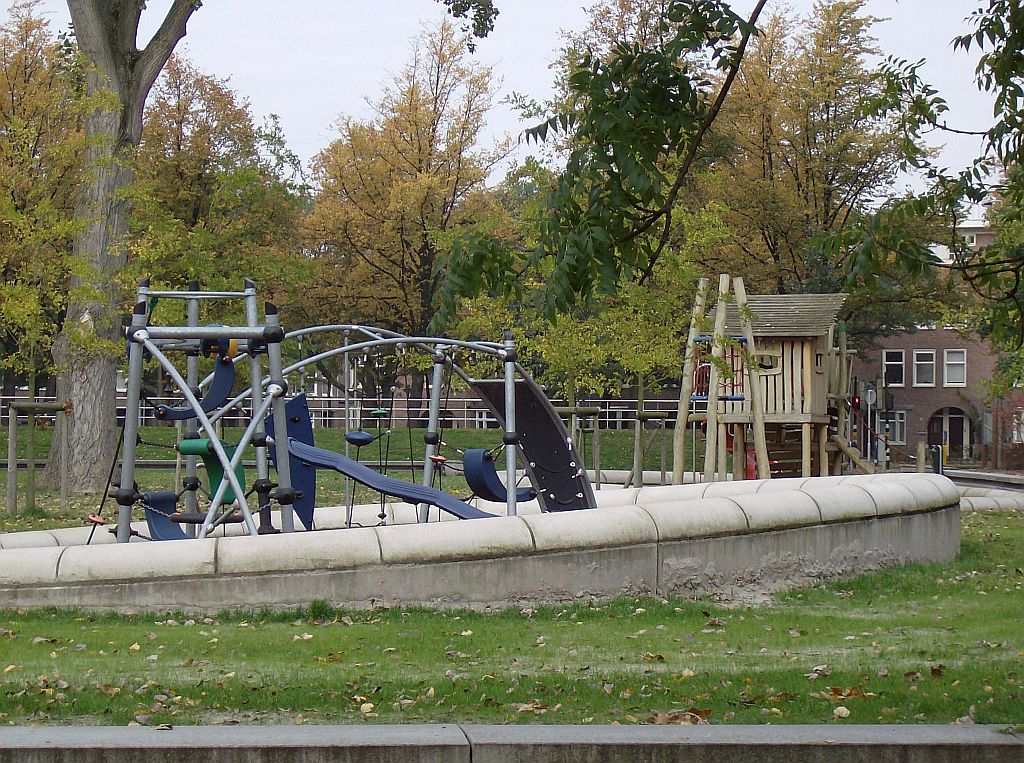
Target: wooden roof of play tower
<point>787,315</point>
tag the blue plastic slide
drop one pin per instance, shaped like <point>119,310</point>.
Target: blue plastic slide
<point>407,491</point>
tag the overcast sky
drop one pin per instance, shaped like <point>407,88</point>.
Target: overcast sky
<point>313,61</point>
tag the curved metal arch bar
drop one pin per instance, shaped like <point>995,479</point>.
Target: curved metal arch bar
<point>207,425</point>
<point>359,347</point>
<point>423,343</point>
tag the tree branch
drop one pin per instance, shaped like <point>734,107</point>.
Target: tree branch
<point>157,52</point>
<point>691,152</point>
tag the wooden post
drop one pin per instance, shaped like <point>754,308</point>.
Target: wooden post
<point>686,387</point>
<point>717,342</point>
<point>808,401</point>
<point>739,452</point>
<point>843,392</point>
<point>638,433</point>
<point>853,454</point>
<point>822,450</point>
<point>12,459</point>
<point>764,470</point>
<point>805,449</point>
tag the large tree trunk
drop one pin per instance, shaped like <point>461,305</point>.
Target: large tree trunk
<point>90,345</point>
<point>416,415</point>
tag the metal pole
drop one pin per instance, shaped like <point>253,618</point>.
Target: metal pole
<point>510,437</point>
<point>345,387</point>
<point>285,492</point>
<point>432,438</point>
<point>252,319</point>
<point>126,494</point>
<point>192,371</point>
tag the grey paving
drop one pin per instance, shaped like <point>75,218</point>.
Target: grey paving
<point>235,744</point>
<point>514,744</point>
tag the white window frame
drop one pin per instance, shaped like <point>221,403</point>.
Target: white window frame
<point>898,428</point>
<point>946,364</point>
<point>922,353</point>
<point>902,364</point>
<point>482,419</point>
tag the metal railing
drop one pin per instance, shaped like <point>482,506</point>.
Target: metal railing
<point>328,411</point>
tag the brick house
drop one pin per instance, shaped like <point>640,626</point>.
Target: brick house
<point>927,385</point>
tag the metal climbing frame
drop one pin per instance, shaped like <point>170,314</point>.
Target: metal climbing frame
<point>268,395</point>
<point>251,340</point>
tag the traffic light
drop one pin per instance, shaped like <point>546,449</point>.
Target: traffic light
<point>855,402</point>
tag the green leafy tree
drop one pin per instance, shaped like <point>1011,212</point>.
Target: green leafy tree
<point>805,161</point>
<point>215,196</point>
<point>393,189</point>
<point>885,240</point>
<point>118,69</point>
<point>638,118</point>
<point>41,108</point>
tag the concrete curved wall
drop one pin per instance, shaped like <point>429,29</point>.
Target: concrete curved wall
<point>729,538</point>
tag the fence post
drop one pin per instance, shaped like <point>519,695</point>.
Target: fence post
<point>12,460</point>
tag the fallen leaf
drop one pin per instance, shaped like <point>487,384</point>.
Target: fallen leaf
<point>818,671</point>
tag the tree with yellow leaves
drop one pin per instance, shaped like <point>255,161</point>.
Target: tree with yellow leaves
<point>391,189</point>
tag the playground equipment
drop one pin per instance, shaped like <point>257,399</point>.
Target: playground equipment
<point>280,433</point>
<point>768,366</point>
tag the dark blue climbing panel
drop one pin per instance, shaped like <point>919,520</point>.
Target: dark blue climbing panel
<point>552,463</point>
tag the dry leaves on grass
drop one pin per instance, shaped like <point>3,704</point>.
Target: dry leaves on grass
<point>835,694</point>
<point>818,671</point>
<point>692,717</point>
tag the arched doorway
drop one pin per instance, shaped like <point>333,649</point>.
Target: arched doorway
<point>951,427</point>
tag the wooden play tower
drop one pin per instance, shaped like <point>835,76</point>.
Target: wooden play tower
<point>766,368</point>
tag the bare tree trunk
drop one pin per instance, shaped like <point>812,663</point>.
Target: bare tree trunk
<point>417,416</point>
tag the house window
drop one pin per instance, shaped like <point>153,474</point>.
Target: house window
<point>892,368</point>
<point>970,239</point>
<point>954,371</point>
<point>482,419</point>
<point>924,368</point>
<point>894,426</point>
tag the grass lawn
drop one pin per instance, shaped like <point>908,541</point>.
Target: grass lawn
<point>915,644</point>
